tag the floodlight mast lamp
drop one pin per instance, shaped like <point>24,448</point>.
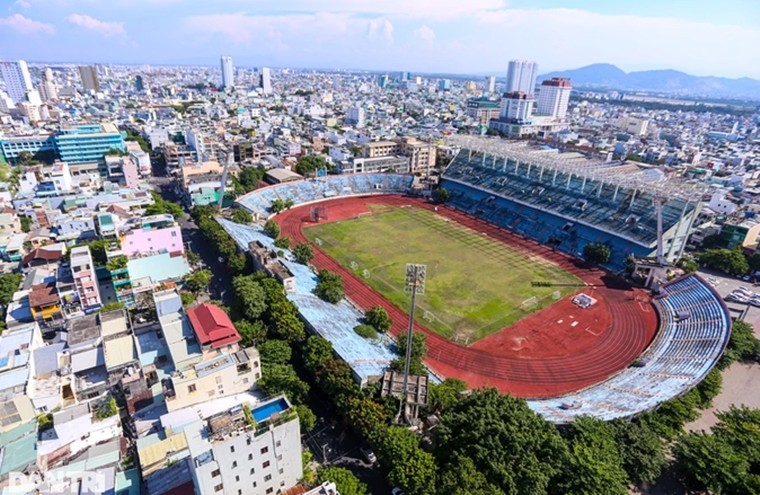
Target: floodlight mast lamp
<point>416,275</point>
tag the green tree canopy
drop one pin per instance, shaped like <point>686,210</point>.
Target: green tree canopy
<point>444,396</point>
<point>303,252</point>
<point>515,449</point>
<point>272,229</point>
<point>329,286</point>
<point>594,465</point>
<point>378,318</point>
<point>274,352</point>
<point>285,322</point>
<point>413,469</point>
<point>161,206</point>
<point>198,281</point>
<point>306,417</point>
<point>251,333</point>
<point>345,481</point>
<point>460,477</point>
<point>250,296</point>
<point>642,450</point>
<point>419,350</point>
<point>241,216</point>
<point>441,195</point>
<point>282,242</point>
<point>317,351</point>
<point>282,378</point>
<point>731,261</point>
<point>743,345</point>
<point>308,165</point>
<point>249,177</point>
<point>596,252</point>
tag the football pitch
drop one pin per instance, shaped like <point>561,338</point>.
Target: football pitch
<point>475,285</point>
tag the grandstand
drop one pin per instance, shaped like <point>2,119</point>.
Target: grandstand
<point>695,327</point>
<point>567,200</point>
<point>335,322</point>
<point>323,188</point>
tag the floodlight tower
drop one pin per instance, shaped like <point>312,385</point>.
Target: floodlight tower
<point>414,283</point>
<point>229,159</point>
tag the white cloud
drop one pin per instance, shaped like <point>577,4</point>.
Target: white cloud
<point>23,4</point>
<point>24,25</point>
<point>104,28</point>
<point>425,34</point>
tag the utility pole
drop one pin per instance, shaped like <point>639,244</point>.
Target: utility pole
<point>416,275</point>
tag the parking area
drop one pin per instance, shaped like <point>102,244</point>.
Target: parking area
<point>726,284</point>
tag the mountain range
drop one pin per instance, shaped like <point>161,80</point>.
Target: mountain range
<point>667,81</point>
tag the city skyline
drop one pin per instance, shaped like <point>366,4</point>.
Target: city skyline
<point>444,36</point>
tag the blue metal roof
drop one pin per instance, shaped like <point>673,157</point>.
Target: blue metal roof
<point>334,322</point>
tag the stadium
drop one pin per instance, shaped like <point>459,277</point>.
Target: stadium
<point>586,342</point>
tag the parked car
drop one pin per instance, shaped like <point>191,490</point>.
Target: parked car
<point>755,302</point>
<point>368,455</point>
<point>397,491</point>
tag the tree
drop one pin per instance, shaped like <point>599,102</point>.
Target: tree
<point>444,396</point>
<point>515,449</point>
<point>285,322</point>
<point>303,253</point>
<point>106,408</point>
<point>688,265</point>
<point>367,417</point>
<point>249,177</point>
<point>724,462</point>
<point>594,464</point>
<point>329,286</point>
<point>272,229</point>
<point>26,223</point>
<point>308,165</point>
<point>282,378</point>
<point>274,352</point>
<point>9,284</point>
<point>282,242</point>
<point>712,241</point>
<point>596,252</point>
<point>316,352</point>
<point>441,195</point>
<point>742,345</point>
<point>709,388</point>
<point>461,477</point>
<point>335,378</point>
<point>187,298</point>
<point>306,417</point>
<point>161,206</point>
<point>277,205</point>
<point>642,450</point>
<point>419,350</point>
<point>413,469</point>
<point>250,296</point>
<point>241,216</point>
<point>731,261</point>
<point>366,331</point>
<point>112,306</point>
<point>378,318</point>
<point>251,333</point>
<point>198,281</point>
<point>754,262</point>
<point>345,481</point>
<point>669,418</point>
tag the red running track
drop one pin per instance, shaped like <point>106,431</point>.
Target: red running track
<point>542,355</point>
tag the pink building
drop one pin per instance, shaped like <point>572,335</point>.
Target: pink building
<point>141,242</point>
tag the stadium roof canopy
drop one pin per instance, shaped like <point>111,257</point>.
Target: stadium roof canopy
<point>613,173</point>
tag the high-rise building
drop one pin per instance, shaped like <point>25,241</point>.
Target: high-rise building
<point>89,76</point>
<point>139,83</point>
<point>521,76</point>
<point>17,79</point>
<point>554,96</point>
<point>444,84</point>
<point>356,116</point>
<point>491,84</point>
<point>383,81</point>
<point>516,106</point>
<point>228,73</point>
<point>47,88</point>
<point>266,80</point>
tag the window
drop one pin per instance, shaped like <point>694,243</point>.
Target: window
<point>281,471</point>
<point>279,457</point>
<point>265,450</point>
<point>277,443</point>
<point>254,483</point>
<point>218,380</point>
<point>232,448</point>
<point>234,464</point>
<point>250,457</point>
<point>253,471</point>
<point>191,388</point>
<point>270,490</point>
<point>240,492</point>
<point>282,483</point>
<point>265,464</point>
<point>268,477</point>
<point>219,487</point>
<point>237,478</point>
<point>174,233</point>
<point>215,473</point>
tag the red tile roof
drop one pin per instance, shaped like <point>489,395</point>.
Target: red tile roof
<point>42,254</point>
<point>212,326</point>
<point>43,295</point>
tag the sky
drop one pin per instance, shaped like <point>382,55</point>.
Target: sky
<point>455,36</point>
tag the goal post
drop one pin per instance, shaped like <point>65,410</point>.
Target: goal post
<point>529,303</point>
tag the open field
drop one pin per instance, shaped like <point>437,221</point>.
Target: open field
<point>475,285</point>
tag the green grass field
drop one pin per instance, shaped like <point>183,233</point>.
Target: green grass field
<point>475,285</point>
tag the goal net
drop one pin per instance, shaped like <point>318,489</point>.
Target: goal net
<point>529,303</point>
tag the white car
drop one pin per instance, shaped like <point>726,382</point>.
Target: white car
<point>743,289</point>
<point>755,302</point>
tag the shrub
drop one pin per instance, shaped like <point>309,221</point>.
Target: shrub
<point>366,331</point>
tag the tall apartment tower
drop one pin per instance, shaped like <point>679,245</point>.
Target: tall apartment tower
<point>17,79</point>
<point>139,83</point>
<point>491,84</point>
<point>47,88</point>
<point>266,80</point>
<point>89,76</point>
<point>521,76</point>
<point>516,106</point>
<point>554,96</point>
<point>85,279</point>
<point>228,73</point>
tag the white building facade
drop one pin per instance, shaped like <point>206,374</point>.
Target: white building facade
<point>17,79</point>
<point>521,76</point>
<point>554,97</point>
